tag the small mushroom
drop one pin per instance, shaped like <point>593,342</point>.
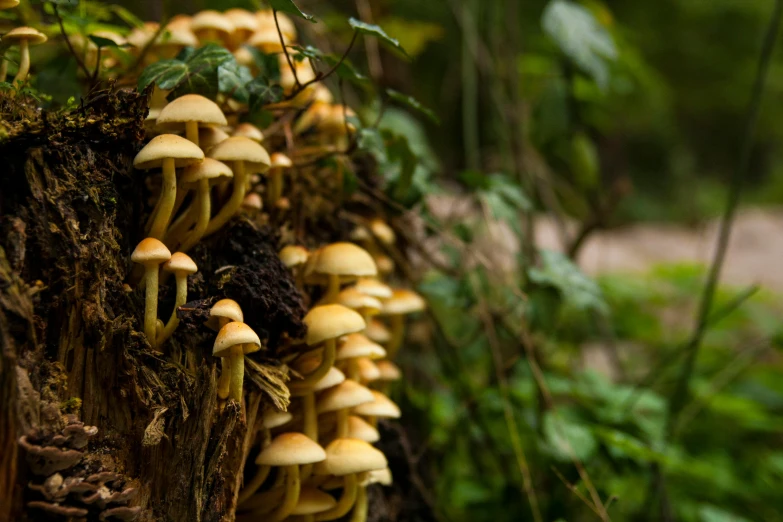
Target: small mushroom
<point>295,257</point>
<point>359,428</point>
<point>309,415</point>
<point>24,37</point>
<point>376,331</point>
<point>336,264</point>
<point>211,26</point>
<point>280,163</point>
<point>235,340</point>
<point>354,299</point>
<point>368,371</point>
<point>341,399</point>
<point>181,265</point>
<point>208,137</point>
<point>192,110</point>
<point>311,502</point>
<point>150,253</point>
<point>8,4</point>
<point>252,205</point>
<point>372,287</point>
<point>244,23</point>
<point>401,303</point>
<point>381,406</point>
<point>353,347</point>
<point>248,130</point>
<point>222,313</point>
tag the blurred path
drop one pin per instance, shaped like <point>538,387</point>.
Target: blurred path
<point>755,252</point>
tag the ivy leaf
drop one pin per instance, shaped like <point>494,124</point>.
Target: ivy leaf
<point>581,38</point>
<point>564,436</point>
<point>263,92</point>
<point>376,31</point>
<point>233,79</point>
<point>413,103</point>
<point>287,6</point>
<point>269,64</point>
<point>105,42</point>
<point>307,51</point>
<point>166,74</point>
<point>196,74</point>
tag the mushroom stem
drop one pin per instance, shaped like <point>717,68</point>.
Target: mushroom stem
<point>397,333</point>
<point>292,488</point>
<point>3,69</point>
<point>345,503</point>
<point>360,508</point>
<point>168,196</point>
<point>181,299</point>
<point>342,423</point>
<point>151,303</point>
<point>275,187</point>
<point>310,416</point>
<point>224,382</point>
<point>191,131</point>
<point>179,228</point>
<point>333,289</point>
<point>24,61</point>
<point>251,487</point>
<point>327,361</point>
<point>237,372</point>
<point>203,209</point>
<point>352,369</point>
<point>234,202</point>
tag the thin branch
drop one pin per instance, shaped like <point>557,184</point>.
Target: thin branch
<point>572,488</point>
<point>148,46</point>
<point>322,76</point>
<point>79,61</point>
<point>285,51</point>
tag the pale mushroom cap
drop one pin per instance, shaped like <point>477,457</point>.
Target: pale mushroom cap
<point>266,20</point>
<point>239,148</point>
<point>359,428</point>
<point>343,259</point>
<point>373,287</point>
<point>209,136</point>
<point>275,419</point>
<point>181,263</point>
<point>294,255</point>
<point>377,331</point>
<point>252,202</point>
<point>307,365</point>
<point>356,300</point>
<point>192,107</point>
<point>312,501</point>
<point>404,302</point>
<point>291,449</point>
<point>176,35</point>
<point>150,251</point>
<point>140,36</point>
<point>381,406</point>
<point>167,146</point>
<point>248,130</point>
<point>347,394</point>
<point>358,345</point>
<point>267,40</point>
<point>322,94</point>
<point>242,19</point>
<point>330,322</point>
<point>368,371</point>
<point>382,231</point>
<point>384,263</point>
<point>346,456</point>
<point>8,4</point>
<point>280,160</point>
<point>17,34</point>
<point>332,378</point>
<point>227,308</point>
<point>378,476</point>
<point>211,20</point>
<point>232,334</point>
<point>207,169</point>
<point>244,56</point>
<point>388,371</point>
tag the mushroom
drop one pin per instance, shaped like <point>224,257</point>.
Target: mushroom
<point>353,347</point>
<point>368,371</point>
<point>280,162</point>
<point>8,4</point>
<point>309,415</point>
<point>378,476</point>
<point>175,37</point>
<point>372,287</point>
<point>346,458</point>
<point>388,372</point>
<point>267,41</point>
<point>209,136</point>
<point>222,313</point>
<point>203,176</point>
<point>359,428</point>
<point>275,419</point>
<point>376,331</point>
<point>341,399</point>
<point>311,502</point>
<point>192,110</point>
<point>272,419</point>
<point>381,406</point>
<point>245,24</point>
<point>211,26</point>
<point>401,302</point>
<point>252,204</point>
<point>182,266</point>
<point>248,130</point>
<point>325,324</point>
<point>24,37</point>
<point>235,340</point>
<point>247,157</point>
<point>150,253</point>
<point>167,151</point>
<point>384,263</point>
<point>289,451</point>
<point>336,264</point>
<point>266,21</point>
<point>354,299</point>
<point>294,257</point>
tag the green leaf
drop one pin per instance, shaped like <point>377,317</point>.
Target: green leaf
<point>261,118</point>
<point>263,92</point>
<point>399,151</point>
<point>105,42</point>
<point>580,37</point>
<point>196,74</point>
<point>584,161</point>
<point>166,74</point>
<point>233,79</point>
<point>287,6</point>
<point>268,64</point>
<point>376,31</point>
<point>564,437</point>
<point>558,271</point>
<point>413,103</point>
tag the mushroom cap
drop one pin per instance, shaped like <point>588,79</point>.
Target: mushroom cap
<point>359,428</point>
<point>150,252</point>
<point>241,19</point>
<point>378,476</point>
<point>176,35</point>
<point>274,419</point>
<point>347,394</point>
<point>357,345</point>
<point>209,136</point>
<point>191,107</point>
<point>252,202</point>
<point>384,263</point>
<point>346,260</point>
<point>332,378</point>
<point>388,371</point>
<point>211,20</point>
<point>356,300</point>
<point>372,287</point>
<point>291,449</point>
<point>381,406</point>
<point>239,148</point>
<point>8,4</point>
<point>346,456</point>
<point>267,40</point>
<point>377,331</point>
<point>382,231</point>
<point>168,146</point>
<point>248,130</point>
<point>140,36</point>
<point>330,322</point>
<point>312,501</point>
<point>233,334</point>
<point>368,371</point>
<point>294,255</point>
<point>244,57</point>
<point>322,93</point>
<point>227,308</point>
<point>17,34</point>
<point>403,301</point>
<point>207,169</point>
<point>266,20</point>
<point>181,263</point>
<point>280,160</point>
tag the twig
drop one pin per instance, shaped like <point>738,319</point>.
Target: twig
<point>574,490</point>
<point>79,61</point>
<point>373,51</point>
<point>148,46</point>
<point>319,77</point>
<point>285,51</point>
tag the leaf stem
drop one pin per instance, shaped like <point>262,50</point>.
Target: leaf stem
<point>322,76</point>
<point>285,51</point>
